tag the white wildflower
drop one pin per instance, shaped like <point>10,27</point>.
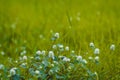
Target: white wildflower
<point>54,47</point>
<point>37,72</point>
<point>55,62</point>
<point>40,67</point>
<point>43,52</point>
<point>67,48</point>
<point>12,71</point>
<point>72,51</point>
<point>79,58</point>
<point>38,52</point>
<point>2,53</point>
<point>92,44</point>
<point>1,66</point>
<point>23,52</point>
<point>90,58</point>
<point>52,65</point>
<point>56,35</point>
<point>60,46</point>
<point>97,58</point>
<point>65,59</point>
<point>84,61</point>
<point>51,54</point>
<point>96,51</point>
<point>24,57</point>
<point>112,47</point>
<point>23,65</point>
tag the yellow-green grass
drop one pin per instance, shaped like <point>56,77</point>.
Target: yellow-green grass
<point>99,23</point>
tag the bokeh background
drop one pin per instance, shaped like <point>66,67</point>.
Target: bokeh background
<point>30,23</point>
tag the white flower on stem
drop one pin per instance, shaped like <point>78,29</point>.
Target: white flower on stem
<point>12,71</point>
<point>24,57</point>
<point>54,47</point>
<point>79,58</point>
<point>84,61</point>
<point>56,35</point>
<point>2,53</point>
<point>65,59</point>
<point>61,47</point>
<point>51,54</point>
<point>112,47</point>
<point>67,48</point>
<point>43,52</point>
<point>92,45</point>
<point>37,72</point>
<point>97,58</point>
<point>23,52</point>
<point>38,52</point>
<point>1,66</point>
<point>90,58</point>
<point>72,51</point>
<point>96,51</point>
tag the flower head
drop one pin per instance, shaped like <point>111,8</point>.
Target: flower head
<point>112,47</point>
<point>96,51</point>
<point>12,71</point>
<point>65,59</point>
<point>84,61</point>
<point>24,57</point>
<point>67,48</point>
<point>56,35</point>
<point>97,58</point>
<point>51,54</point>
<point>37,72</point>
<point>79,58</point>
<point>92,44</point>
<point>1,66</point>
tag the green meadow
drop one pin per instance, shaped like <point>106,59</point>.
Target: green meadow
<point>55,28</point>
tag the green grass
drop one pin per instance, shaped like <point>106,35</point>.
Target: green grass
<point>99,23</point>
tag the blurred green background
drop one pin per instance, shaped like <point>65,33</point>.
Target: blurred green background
<point>31,23</point>
<point>99,21</point>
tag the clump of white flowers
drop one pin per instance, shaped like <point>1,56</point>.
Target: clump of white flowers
<point>51,54</point>
<point>40,52</point>
<point>65,59</point>
<point>112,47</point>
<point>97,51</point>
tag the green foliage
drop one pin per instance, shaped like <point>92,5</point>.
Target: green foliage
<point>27,26</point>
